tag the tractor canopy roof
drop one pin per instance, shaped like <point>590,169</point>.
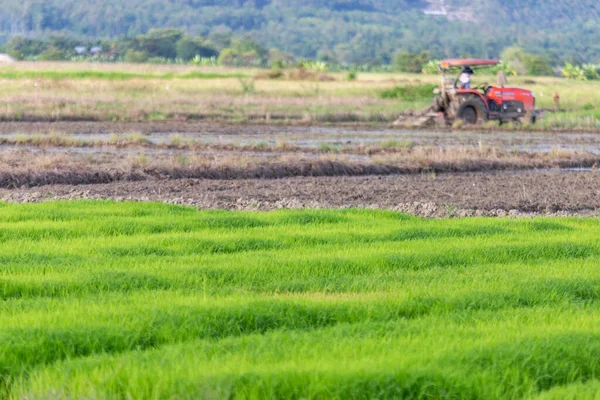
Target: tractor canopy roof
<point>467,62</point>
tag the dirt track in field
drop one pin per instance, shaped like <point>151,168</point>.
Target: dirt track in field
<point>298,171</point>
<point>499,194</point>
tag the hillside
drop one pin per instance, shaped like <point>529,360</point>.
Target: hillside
<point>347,30</point>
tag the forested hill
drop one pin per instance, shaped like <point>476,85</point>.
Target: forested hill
<point>346,30</point>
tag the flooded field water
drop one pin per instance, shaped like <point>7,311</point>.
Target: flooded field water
<point>312,138</point>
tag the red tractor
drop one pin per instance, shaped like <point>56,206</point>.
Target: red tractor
<point>477,105</point>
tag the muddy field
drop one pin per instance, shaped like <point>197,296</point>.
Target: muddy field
<point>248,167</point>
<point>307,137</point>
<point>497,194</point>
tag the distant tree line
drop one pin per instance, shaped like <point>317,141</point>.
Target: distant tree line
<point>353,32</point>
<point>515,61</point>
<point>163,46</point>
<point>157,46</point>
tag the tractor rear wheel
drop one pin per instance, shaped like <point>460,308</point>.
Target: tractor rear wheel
<point>473,111</point>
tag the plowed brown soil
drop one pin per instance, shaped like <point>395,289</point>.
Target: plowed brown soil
<point>432,174</point>
<point>498,194</point>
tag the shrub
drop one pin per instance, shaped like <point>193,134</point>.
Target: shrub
<point>278,64</point>
<point>135,56</point>
<point>588,107</point>
<point>431,68</point>
<point>316,66</point>
<point>52,54</point>
<point>204,61</point>
<point>590,71</point>
<point>20,48</point>
<point>15,54</point>
<point>505,67</point>
<point>271,74</point>
<point>351,76</point>
<point>571,71</point>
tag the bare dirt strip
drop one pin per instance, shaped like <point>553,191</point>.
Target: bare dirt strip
<point>257,167</point>
<point>554,193</point>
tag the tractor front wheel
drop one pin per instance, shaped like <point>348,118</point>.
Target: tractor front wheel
<point>528,118</point>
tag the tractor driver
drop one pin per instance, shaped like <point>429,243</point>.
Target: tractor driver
<point>465,77</point>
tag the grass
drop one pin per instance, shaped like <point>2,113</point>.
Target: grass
<point>394,144</point>
<point>107,75</point>
<point>122,92</point>
<point>410,93</point>
<point>81,162</point>
<point>114,301</point>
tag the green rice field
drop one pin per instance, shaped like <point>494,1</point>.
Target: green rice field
<point>103,300</point>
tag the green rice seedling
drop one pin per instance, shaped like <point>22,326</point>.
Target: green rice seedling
<point>182,160</point>
<point>328,148</point>
<point>113,139</point>
<point>142,160</point>
<point>24,139</point>
<point>395,144</point>
<point>137,138</point>
<point>114,300</point>
<point>176,141</point>
<point>262,145</point>
<point>156,116</point>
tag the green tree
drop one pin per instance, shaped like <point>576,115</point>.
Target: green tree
<point>227,57</point>
<point>410,62</point>
<point>187,48</point>
<point>65,43</point>
<point>353,31</point>
<point>512,54</point>
<point>279,59</point>
<point>250,50</point>
<point>538,65</point>
<point>527,63</point>
<point>19,47</point>
<point>160,42</point>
